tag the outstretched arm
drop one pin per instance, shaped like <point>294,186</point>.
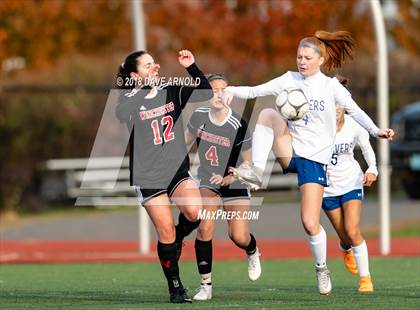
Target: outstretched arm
<point>272,87</point>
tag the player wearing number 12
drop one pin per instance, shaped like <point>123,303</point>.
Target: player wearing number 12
<point>158,156</point>
<point>223,141</point>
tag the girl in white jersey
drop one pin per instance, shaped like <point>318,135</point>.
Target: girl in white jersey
<point>312,136</point>
<point>344,194</point>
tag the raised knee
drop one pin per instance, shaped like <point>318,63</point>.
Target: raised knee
<point>265,117</point>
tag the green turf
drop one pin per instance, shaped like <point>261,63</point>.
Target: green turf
<point>283,285</point>
<point>408,230</point>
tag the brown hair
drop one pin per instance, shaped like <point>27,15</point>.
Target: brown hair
<point>336,47</point>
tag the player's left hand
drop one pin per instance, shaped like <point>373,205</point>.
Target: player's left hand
<point>216,179</point>
<point>185,58</point>
<point>369,178</point>
<point>386,133</point>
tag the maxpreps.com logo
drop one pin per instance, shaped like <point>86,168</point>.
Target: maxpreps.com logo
<point>220,214</point>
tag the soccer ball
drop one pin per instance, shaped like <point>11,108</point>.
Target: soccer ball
<point>292,103</point>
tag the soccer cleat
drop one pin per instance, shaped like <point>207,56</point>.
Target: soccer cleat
<point>204,292</point>
<point>350,262</point>
<point>324,280</point>
<point>254,265</point>
<point>365,285</point>
<point>248,175</point>
<point>179,296</point>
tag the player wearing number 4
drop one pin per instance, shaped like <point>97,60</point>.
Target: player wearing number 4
<point>312,137</point>
<point>158,156</point>
<point>222,141</point>
<point>344,194</point>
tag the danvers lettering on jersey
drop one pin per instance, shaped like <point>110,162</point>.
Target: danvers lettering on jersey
<point>346,147</point>
<point>316,105</point>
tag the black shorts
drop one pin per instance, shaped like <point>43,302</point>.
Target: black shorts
<point>145,194</point>
<point>232,192</point>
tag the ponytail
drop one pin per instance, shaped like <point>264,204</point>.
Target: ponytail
<point>339,47</point>
<point>336,47</point>
<point>124,70</point>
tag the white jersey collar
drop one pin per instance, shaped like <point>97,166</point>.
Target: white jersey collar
<point>222,122</point>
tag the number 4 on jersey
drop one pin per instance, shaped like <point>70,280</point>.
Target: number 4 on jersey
<point>211,155</point>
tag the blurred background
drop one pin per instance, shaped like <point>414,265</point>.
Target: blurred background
<point>58,60</point>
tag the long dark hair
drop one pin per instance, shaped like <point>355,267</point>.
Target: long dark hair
<point>123,78</point>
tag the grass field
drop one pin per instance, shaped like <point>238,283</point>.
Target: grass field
<point>288,284</point>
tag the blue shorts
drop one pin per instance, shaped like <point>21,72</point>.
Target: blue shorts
<point>332,203</point>
<point>308,171</point>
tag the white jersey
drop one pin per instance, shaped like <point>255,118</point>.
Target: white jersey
<point>313,135</point>
<point>344,173</point>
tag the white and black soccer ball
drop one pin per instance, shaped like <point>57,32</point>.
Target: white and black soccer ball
<point>292,103</point>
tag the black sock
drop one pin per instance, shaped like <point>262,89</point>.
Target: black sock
<point>252,246</point>
<point>167,255</point>
<point>203,255</point>
<point>184,227</point>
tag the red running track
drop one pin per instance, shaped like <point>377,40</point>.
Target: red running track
<point>126,251</point>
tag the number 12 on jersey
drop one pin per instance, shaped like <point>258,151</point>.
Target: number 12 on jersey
<point>168,135</point>
<point>211,155</point>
